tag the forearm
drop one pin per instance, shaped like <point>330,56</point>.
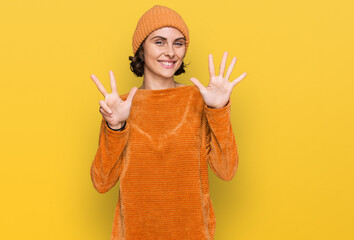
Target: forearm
<point>109,159</point>
<point>221,148</point>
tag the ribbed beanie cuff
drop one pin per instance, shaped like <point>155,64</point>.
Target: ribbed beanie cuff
<point>155,18</point>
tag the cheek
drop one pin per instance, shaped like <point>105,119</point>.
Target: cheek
<point>181,53</point>
<point>153,50</point>
<point>149,57</point>
<point>152,54</point>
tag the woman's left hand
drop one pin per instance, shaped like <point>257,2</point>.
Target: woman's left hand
<point>217,93</point>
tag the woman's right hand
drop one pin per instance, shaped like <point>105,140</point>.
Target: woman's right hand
<point>113,109</point>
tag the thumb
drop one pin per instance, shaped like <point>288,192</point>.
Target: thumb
<point>197,84</point>
<point>132,94</point>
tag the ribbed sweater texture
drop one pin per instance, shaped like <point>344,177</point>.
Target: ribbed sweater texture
<point>160,160</point>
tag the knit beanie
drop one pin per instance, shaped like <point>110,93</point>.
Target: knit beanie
<point>155,18</point>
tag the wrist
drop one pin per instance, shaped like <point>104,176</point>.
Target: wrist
<point>117,127</point>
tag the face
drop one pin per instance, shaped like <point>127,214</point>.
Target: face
<point>164,50</point>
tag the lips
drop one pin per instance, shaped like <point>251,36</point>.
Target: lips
<point>167,64</point>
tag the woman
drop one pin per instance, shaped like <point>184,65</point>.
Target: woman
<point>158,139</point>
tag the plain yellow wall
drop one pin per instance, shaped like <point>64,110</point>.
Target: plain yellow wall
<point>292,115</point>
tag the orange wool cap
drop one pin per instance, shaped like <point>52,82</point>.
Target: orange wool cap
<point>155,18</point>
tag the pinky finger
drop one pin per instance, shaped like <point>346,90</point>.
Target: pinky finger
<point>105,107</point>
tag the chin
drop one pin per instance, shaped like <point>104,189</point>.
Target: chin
<point>168,73</point>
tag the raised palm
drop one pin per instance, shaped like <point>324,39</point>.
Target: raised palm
<point>113,109</point>
<point>218,92</point>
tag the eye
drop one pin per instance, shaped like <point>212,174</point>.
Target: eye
<point>179,43</point>
<point>158,42</point>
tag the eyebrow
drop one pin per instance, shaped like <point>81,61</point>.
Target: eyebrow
<point>166,38</point>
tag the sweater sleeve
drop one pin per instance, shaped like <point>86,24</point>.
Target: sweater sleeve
<point>222,154</point>
<point>108,163</point>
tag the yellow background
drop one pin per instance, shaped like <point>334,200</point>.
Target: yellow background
<point>292,115</point>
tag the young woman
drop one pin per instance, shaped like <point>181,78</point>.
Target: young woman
<point>158,139</point>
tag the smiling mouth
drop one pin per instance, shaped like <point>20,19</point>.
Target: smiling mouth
<point>167,64</point>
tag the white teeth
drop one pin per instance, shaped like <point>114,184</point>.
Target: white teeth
<point>167,63</point>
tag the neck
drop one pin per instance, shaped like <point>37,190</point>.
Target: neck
<point>156,84</point>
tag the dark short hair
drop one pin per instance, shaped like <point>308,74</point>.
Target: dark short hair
<point>137,63</point>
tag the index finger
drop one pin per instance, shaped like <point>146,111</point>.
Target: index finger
<point>113,82</point>
<point>99,85</point>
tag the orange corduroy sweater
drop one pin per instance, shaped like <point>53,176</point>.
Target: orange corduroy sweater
<point>161,162</point>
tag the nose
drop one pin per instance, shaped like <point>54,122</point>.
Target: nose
<point>170,51</point>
